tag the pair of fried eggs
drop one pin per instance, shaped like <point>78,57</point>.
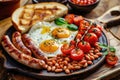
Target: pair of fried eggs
<point>49,37</point>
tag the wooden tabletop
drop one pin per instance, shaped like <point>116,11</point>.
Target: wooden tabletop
<point>108,72</point>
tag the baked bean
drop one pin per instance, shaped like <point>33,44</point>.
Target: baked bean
<point>99,54</point>
<point>89,62</point>
<point>50,63</point>
<point>87,57</point>
<point>65,67</point>
<point>83,62</point>
<point>67,71</point>
<point>92,58</point>
<point>77,67</point>
<point>54,62</point>
<point>91,53</point>
<point>58,70</point>
<point>96,50</point>
<point>53,68</point>
<point>95,56</point>
<point>49,68</point>
<point>67,59</point>
<point>65,62</point>
<point>70,67</point>
<point>85,65</point>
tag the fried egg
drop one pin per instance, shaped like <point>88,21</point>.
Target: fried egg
<point>49,37</point>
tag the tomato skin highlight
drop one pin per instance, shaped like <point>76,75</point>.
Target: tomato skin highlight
<point>85,46</point>
<point>91,38</point>
<point>76,54</point>
<point>111,60</point>
<point>97,31</point>
<point>66,48</point>
<point>70,18</point>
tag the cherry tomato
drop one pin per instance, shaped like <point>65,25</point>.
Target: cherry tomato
<point>72,42</point>
<point>85,46</point>
<point>78,36</point>
<point>97,31</point>
<point>91,38</point>
<point>76,54</point>
<point>66,48</point>
<point>111,59</point>
<point>77,20</point>
<point>83,25</point>
<point>97,26</point>
<point>70,18</point>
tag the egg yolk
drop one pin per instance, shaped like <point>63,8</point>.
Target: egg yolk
<point>45,29</point>
<point>61,33</point>
<point>49,46</point>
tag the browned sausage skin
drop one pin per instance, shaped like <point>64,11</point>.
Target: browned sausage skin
<point>19,56</point>
<point>17,41</point>
<point>35,50</point>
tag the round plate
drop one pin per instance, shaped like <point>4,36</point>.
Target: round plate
<point>14,66</point>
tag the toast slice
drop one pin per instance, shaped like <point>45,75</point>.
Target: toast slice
<point>24,17</point>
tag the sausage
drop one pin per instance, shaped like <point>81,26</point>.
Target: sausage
<point>35,50</point>
<point>19,56</point>
<point>17,41</point>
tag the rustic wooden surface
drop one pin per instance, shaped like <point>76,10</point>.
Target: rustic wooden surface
<point>104,72</point>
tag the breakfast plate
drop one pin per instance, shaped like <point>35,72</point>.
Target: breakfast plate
<point>34,63</point>
<point>13,66</point>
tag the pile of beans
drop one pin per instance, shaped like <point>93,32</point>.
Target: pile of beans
<point>62,63</point>
<point>83,2</point>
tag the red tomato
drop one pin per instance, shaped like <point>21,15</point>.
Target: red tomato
<point>83,25</point>
<point>77,20</point>
<point>97,26</point>
<point>72,42</point>
<point>85,46</point>
<point>111,59</point>
<point>97,31</point>
<point>91,38</point>
<point>76,54</point>
<point>78,36</point>
<point>66,48</point>
<point>70,18</point>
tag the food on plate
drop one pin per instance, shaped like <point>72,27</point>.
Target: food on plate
<point>24,17</point>
<point>35,50</point>
<point>20,56</point>
<point>49,37</point>
<point>65,44</point>
<point>111,59</point>
<point>18,43</point>
<point>83,2</point>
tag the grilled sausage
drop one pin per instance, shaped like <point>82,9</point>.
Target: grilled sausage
<point>35,50</point>
<point>19,56</point>
<point>17,41</point>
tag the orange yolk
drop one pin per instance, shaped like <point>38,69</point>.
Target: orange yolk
<point>49,46</point>
<point>61,33</point>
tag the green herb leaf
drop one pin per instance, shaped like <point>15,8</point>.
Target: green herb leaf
<point>72,27</point>
<point>112,49</point>
<point>105,53</point>
<point>103,46</point>
<point>60,21</point>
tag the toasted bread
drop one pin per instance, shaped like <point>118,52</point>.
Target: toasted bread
<point>24,17</point>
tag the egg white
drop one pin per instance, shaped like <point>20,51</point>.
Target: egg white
<point>38,38</point>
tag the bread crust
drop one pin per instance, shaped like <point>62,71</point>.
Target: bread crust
<point>25,17</point>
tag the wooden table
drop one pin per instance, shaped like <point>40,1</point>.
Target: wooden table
<point>108,72</point>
